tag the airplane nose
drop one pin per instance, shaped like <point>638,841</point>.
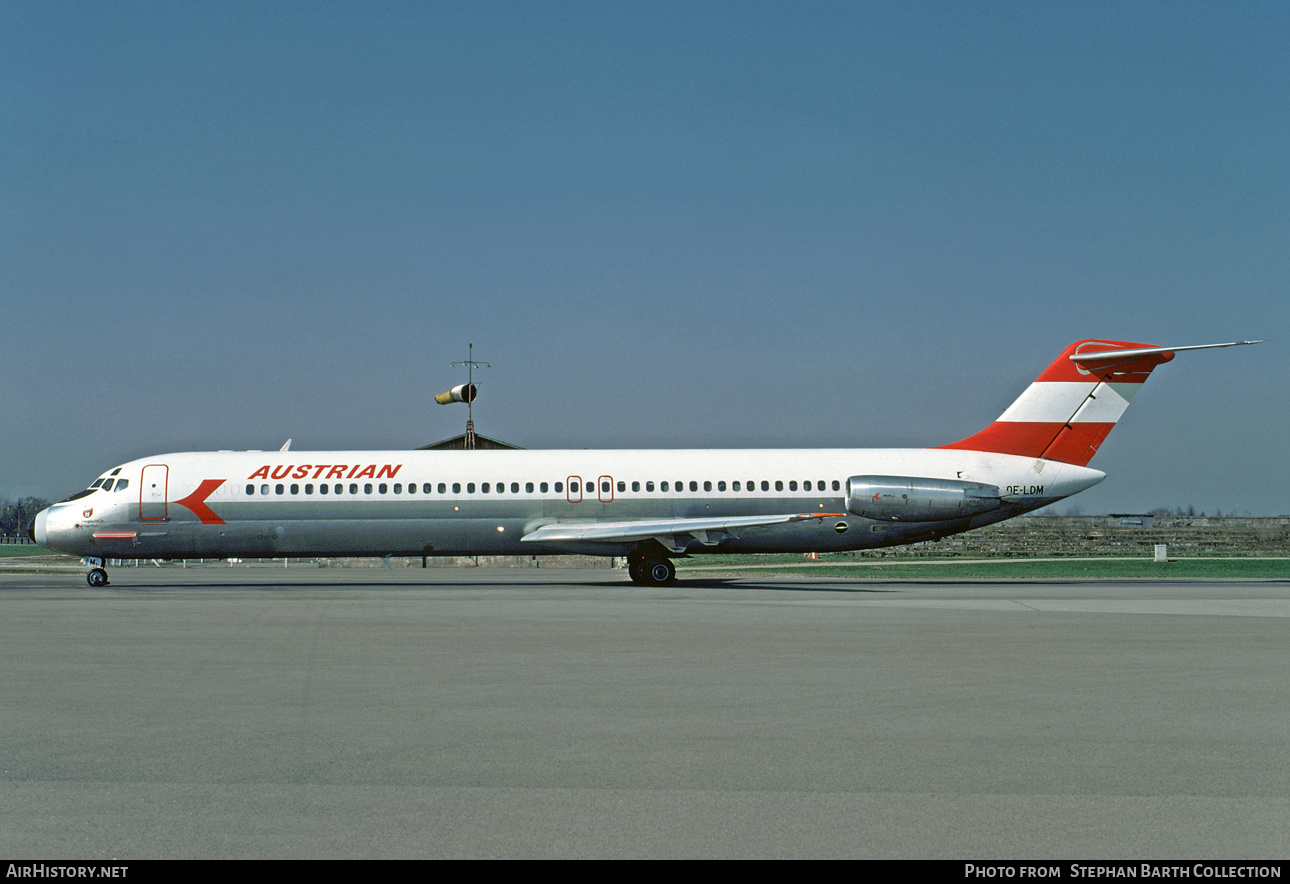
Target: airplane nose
<point>36,531</point>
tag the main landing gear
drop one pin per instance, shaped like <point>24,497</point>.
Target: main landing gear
<point>651,572</point>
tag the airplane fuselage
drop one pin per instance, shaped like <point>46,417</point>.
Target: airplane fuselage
<point>357,503</point>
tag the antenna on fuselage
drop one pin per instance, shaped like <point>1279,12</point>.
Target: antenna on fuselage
<point>465,393</point>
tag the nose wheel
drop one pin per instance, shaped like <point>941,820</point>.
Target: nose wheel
<point>97,576</point>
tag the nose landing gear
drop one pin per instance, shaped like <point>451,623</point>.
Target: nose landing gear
<point>97,576</point>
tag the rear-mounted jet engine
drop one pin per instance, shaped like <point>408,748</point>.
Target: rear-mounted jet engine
<point>905,499</point>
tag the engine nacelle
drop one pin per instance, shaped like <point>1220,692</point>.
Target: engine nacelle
<point>909,499</point>
<point>459,393</point>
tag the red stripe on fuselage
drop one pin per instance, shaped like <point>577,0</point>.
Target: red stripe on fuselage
<point>197,502</point>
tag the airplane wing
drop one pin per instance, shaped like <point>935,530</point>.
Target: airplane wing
<point>669,532</point>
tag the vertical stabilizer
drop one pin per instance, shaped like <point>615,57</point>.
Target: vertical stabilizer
<point>1070,408</point>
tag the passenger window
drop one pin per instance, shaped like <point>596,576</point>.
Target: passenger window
<point>456,487</point>
<point>836,486</point>
<point>295,489</point>
<point>339,489</point>
<point>806,486</point>
<point>278,489</point>
<point>765,486</point>
<point>779,485</point>
<point>559,487</point>
<point>443,488</point>
<point>661,487</point>
<point>528,487</point>
<point>604,487</point>
<point>515,487</point>
<point>735,486</point>
<point>694,486</point>
<point>721,486</point>
<point>383,488</point>
<point>398,488</point>
<point>484,488</point>
<point>470,487</point>
<point>792,485</point>
<point>622,486</point>
<point>250,489</point>
<point>309,489</point>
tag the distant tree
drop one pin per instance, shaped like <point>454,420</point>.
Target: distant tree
<point>15,518</point>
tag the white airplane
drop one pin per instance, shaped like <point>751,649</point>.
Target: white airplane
<point>648,506</point>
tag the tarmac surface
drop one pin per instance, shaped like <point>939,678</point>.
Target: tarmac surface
<point>303,712</point>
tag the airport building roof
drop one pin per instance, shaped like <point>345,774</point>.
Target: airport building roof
<point>482,443</point>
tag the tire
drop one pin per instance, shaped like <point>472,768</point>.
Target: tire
<point>660,573</point>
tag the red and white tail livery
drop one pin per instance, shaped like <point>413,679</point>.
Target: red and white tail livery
<point>1070,408</point>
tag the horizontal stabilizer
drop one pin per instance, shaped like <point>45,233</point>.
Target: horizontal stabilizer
<point>1121,355</point>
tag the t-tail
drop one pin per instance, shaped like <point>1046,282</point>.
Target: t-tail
<point>1070,408</point>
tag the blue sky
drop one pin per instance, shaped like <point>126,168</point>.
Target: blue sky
<point>664,224</point>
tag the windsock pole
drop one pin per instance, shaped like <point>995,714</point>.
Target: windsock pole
<point>465,393</point>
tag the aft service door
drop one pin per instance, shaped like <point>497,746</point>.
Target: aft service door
<point>152,492</point>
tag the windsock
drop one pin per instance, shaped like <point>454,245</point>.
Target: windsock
<point>459,393</point>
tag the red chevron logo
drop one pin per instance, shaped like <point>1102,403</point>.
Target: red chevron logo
<point>197,502</point>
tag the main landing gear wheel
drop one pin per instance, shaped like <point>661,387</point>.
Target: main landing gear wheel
<point>660,573</point>
<point>97,577</point>
<point>657,573</point>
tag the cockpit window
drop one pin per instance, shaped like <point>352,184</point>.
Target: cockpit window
<point>79,494</point>
<point>107,486</point>
<point>96,483</point>
<point>121,484</point>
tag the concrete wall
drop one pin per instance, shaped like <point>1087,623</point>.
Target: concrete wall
<point>1114,536</point>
